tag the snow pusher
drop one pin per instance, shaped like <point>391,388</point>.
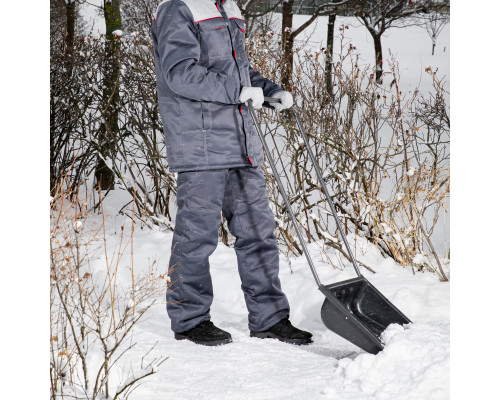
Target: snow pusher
<point>353,309</point>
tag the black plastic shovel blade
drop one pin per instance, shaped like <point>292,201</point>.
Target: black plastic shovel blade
<point>357,311</point>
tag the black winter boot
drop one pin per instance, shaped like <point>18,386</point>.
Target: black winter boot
<point>205,333</point>
<point>285,332</point>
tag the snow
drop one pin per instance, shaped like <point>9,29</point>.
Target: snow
<point>88,12</point>
<point>133,377</point>
<point>326,235</point>
<point>419,259</point>
<point>408,367</point>
<point>76,225</point>
<point>387,228</point>
<point>413,365</point>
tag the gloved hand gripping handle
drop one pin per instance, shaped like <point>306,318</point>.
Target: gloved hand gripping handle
<point>272,100</point>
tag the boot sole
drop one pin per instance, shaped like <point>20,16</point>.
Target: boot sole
<point>220,342</point>
<point>269,335</point>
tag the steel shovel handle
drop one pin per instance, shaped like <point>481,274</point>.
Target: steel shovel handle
<point>282,189</point>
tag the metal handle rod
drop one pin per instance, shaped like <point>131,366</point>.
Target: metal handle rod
<point>283,193</point>
<point>325,190</point>
<point>320,177</point>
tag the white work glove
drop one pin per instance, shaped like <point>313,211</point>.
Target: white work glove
<point>286,100</point>
<point>254,93</point>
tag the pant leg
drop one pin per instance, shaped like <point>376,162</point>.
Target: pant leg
<point>199,203</point>
<point>251,221</point>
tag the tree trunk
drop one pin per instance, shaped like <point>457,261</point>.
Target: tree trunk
<point>329,53</point>
<point>287,43</point>
<point>377,40</point>
<point>109,128</point>
<point>70,8</point>
<point>70,24</point>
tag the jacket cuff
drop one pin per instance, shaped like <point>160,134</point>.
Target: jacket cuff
<point>233,89</point>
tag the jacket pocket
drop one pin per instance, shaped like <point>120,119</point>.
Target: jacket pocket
<point>238,29</point>
<point>194,149</point>
<point>191,115</point>
<point>214,39</point>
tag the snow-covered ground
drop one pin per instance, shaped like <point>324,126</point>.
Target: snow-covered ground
<point>413,365</point>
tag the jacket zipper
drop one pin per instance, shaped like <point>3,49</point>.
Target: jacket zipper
<point>239,74</point>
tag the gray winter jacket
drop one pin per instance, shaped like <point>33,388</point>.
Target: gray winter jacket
<point>201,66</point>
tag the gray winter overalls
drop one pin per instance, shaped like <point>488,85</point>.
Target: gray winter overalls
<point>201,66</point>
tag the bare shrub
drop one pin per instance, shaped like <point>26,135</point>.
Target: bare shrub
<point>384,153</point>
<point>77,117</point>
<point>94,304</point>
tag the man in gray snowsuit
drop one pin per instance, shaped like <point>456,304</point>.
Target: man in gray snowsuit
<point>204,78</point>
